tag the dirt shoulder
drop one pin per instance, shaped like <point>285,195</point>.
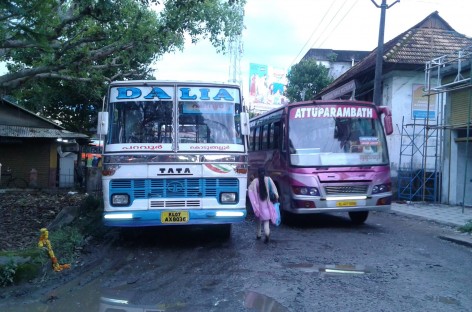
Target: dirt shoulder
<point>23,215</point>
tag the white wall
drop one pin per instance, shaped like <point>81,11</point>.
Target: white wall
<point>397,95</point>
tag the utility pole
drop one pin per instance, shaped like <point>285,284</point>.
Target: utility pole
<point>379,60</point>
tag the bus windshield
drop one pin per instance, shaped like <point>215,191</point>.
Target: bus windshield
<point>141,122</point>
<point>154,119</point>
<point>326,136</point>
<point>209,123</point>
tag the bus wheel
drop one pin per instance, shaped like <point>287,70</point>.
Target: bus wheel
<point>358,217</point>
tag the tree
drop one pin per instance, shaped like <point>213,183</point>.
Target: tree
<point>78,45</point>
<point>75,39</point>
<point>305,80</point>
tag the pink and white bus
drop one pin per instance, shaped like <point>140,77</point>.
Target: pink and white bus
<point>325,156</point>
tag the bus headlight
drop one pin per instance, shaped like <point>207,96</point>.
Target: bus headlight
<point>381,188</point>
<point>228,198</point>
<point>120,199</point>
<point>109,170</point>
<point>302,190</point>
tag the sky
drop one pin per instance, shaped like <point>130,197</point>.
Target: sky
<point>278,33</point>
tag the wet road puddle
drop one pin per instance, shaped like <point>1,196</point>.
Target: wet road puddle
<point>92,297</point>
<point>335,269</point>
<point>262,303</point>
<point>445,300</point>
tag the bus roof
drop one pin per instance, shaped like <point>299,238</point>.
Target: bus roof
<point>316,102</point>
<point>171,82</point>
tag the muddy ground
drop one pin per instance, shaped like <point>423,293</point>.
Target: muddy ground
<point>23,214</point>
<point>319,263</point>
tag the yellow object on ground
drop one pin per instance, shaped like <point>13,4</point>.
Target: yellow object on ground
<point>44,242</point>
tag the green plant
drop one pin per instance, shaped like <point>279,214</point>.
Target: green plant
<point>65,242</point>
<point>332,57</point>
<point>466,228</point>
<point>7,273</point>
<point>26,264</point>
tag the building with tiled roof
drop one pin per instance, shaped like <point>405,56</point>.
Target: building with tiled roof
<point>410,50</point>
<point>403,90</point>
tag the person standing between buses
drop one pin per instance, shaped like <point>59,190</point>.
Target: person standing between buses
<point>263,208</point>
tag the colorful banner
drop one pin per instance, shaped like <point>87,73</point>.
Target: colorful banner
<point>419,104</point>
<point>266,85</point>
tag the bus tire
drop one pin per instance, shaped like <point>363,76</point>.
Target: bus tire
<point>358,217</point>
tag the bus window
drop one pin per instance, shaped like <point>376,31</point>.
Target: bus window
<point>251,139</point>
<point>140,122</point>
<point>265,137</point>
<point>274,135</point>
<point>257,139</point>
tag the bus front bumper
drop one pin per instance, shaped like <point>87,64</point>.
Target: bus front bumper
<point>306,205</point>
<point>140,218</point>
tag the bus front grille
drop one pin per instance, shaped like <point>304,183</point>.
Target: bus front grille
<point>153,204</point>
<point>346,189</point>
<point>174,188</point>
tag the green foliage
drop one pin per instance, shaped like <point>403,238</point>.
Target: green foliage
<point>332,57</point>
<point>75,105</point>
<point>60,54</point>
<point>7,273</point>
<point>90,222</point>
<point>466,228</point>
<point>20,265</point>
<point>65,242</point>
<point>305,80</point>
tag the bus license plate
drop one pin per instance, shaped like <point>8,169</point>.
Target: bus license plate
<point>174,217</point>
<point>346,203</point>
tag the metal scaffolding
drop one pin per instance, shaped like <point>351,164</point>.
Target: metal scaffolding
<point>420,158</point>
<point>422,142</point>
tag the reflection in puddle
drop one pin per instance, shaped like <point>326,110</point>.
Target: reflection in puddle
<point>117,300</point>
<point>446,300</point>
<point>262,303</point>
<point>335,269</point>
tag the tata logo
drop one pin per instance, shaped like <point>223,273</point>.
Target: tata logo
<point>175,187</point>
<point>174,171</point>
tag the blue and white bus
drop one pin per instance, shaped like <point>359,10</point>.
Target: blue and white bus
<point>175,153</point>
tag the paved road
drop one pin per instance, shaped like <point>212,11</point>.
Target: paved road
<point>455,216</point>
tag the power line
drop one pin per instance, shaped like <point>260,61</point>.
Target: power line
<point>313,33</point>
<point>336,14</point>
<point>348,11</point>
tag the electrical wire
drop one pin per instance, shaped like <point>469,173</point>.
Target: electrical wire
<point>313,33</point>
<point>339,22</point>
<point>332,19</point>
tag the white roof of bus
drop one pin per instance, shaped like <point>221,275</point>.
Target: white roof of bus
<point>173,82</point>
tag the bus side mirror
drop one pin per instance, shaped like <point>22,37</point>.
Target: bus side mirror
<point>102,124</point>
<point>244,123</point>
<point>388,124</point>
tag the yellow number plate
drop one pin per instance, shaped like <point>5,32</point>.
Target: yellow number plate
<point>174,217</point>
<point>346,203</point>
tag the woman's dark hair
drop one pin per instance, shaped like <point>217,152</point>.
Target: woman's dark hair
<point>262,186</point>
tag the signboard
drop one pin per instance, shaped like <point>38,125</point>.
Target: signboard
<point>266,85</point>
<point>419,104</point>
<point>333,111</point>
<point>340,91</point>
